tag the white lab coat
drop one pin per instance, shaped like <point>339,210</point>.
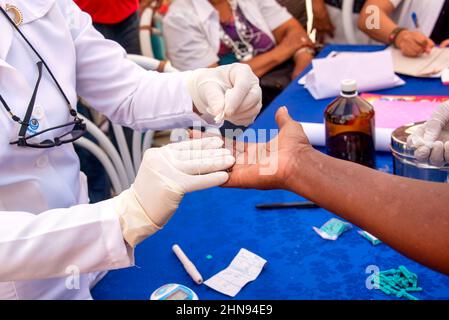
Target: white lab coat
<point>427,12</point>
<point>47,232</point>
<point>192,29</point>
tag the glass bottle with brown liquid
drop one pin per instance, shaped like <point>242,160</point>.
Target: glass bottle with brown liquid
<point>350,127</point>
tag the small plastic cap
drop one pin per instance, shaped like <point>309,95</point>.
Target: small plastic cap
<point>348,85</point>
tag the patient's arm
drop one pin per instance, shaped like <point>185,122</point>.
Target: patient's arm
<point>411,216</point>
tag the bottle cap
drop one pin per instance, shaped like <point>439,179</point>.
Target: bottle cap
<point>349,86</point>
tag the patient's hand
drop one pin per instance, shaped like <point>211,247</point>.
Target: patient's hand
<point>268,165</point>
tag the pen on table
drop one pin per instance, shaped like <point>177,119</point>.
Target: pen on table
<point>287,205</point>
<point>187,264</point>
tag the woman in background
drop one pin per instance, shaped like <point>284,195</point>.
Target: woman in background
<point>262,34</point>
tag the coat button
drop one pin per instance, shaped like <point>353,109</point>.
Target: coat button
<point>42,162</point>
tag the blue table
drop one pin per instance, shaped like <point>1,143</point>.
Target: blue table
<point>301,265</point>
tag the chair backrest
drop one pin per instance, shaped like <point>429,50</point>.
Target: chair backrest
<point>146,26</point>
<point>150,34</point>
<point>349,27</point>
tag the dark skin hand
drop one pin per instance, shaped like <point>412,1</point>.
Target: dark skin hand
<point>411,216</point>
<point>321,21</point>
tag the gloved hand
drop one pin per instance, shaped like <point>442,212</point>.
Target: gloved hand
<point>432,139</point>
<point>165,175</point>
<point>230,92</point>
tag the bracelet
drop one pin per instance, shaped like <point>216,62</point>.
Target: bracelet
<point>307,49</point>
<point>394,35</point>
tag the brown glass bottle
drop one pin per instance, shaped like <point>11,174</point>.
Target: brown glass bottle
<point>350,127</point>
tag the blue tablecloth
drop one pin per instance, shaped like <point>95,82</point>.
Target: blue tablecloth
<point>301,265</point>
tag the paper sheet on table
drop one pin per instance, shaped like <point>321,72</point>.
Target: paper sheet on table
<point>371,70</point>
<point>428,65</point>
<point>317,136</point>
<point>394,114</point>
<point>244,268</point>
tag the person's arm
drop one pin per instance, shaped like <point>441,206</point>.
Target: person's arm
<point>321,21</point>
<point>293,35</point>
<point>265,62</point>
<point>411,216</point>
<point>386,24</point>
<point>290,37</point>
<point>411,43</point>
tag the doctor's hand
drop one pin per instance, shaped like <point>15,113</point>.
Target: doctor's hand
<point>165,175</point>
<point>230,92</point>
<point>432,139</point>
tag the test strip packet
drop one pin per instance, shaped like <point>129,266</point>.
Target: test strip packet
<point>368,236</point>
<point>332,229</point>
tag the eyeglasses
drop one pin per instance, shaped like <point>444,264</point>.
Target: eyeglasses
<point>77,126</point>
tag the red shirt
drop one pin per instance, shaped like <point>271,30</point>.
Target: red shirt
<point>108,11</point>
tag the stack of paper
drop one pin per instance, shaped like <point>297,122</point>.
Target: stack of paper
<point>371,70</point>
<point>428,65</point>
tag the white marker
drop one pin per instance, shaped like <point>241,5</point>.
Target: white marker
<point>188,265</point>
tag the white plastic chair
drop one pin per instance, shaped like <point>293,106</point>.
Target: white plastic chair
<point>147,19</point>
<point>107,154</point>
<point>348,25</point>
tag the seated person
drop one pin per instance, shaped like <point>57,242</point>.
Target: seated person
<point>411,216</point>
<point>413,26</point>
<point>260,33</point>
<point>328,21</point>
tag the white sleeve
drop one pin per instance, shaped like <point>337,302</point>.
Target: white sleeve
<point>396,3</point>
<point>43,246</point>
<point>186,43</point>
<point>274,14</point>
<point>124,92</point>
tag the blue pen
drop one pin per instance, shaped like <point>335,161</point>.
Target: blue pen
<point>415,20</point>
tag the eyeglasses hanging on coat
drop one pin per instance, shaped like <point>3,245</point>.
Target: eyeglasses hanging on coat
<point>76,128</point>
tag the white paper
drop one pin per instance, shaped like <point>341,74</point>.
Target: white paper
<point>245,268</point>
<point>371,70</point>
<point>317,135</point>
<point>428,65</point>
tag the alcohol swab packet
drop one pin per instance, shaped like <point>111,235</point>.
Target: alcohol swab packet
<point>332,229</point>
<point>244,268</point>
<point>368,236</point>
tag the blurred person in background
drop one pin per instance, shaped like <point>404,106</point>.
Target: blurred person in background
<point>328,21</point>
<point>413,26</point>
<point>262,34</point>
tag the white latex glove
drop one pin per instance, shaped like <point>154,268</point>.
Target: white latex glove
<point>432,139</point>
<point>230,92</point>
<point>165,175</point>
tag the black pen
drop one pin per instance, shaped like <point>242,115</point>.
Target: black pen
<point>287,205</point>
